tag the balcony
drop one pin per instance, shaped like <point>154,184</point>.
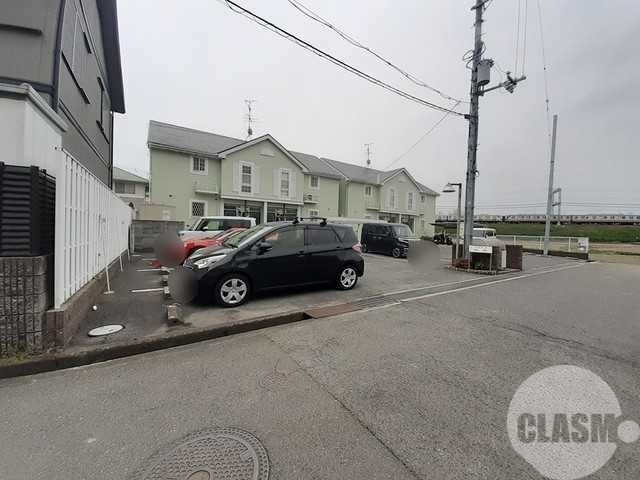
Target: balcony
<point>311,198</point>
<point>371,203</point>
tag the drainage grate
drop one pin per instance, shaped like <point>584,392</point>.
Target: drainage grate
<point>212,454</point>
<point>374,302</point>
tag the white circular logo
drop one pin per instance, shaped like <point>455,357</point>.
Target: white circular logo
<point>565,421</point>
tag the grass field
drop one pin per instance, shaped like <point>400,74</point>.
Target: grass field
<point>596,233</point>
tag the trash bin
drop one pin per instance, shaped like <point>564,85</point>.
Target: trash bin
<point>514,257</point>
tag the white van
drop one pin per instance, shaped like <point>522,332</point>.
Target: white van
<point>208,226</point>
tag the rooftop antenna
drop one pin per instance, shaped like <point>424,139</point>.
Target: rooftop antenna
<point>368,147</point>
<point>250,118</point>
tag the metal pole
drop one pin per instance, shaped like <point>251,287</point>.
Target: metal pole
<point>473,132</point>
<point>547,227</point>
<point>458,222</point>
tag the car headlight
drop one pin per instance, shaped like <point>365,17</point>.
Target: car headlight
<point>205,262</point>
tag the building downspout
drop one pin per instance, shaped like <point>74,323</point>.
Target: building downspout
<point>56,58</point>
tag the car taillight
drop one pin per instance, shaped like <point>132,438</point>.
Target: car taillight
<point>357,247</point>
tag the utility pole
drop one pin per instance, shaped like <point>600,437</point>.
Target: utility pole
<point>368,146</point>
<point>472,148</point>
<point>547,227</point>
<point>480,76</point>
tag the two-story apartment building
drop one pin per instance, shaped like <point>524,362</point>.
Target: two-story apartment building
<point>131,188</point>
<point>68,52</point>
<point>202,173</point>
<point>395,196</point>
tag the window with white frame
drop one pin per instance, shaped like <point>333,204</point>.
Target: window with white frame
<point>199,165</point>
<point>284,183</point>
<point>409,200</point>
<point>314,213</point>
<point>125,188</point>
<point>314,182</point>
<point>198,208</point>
<point>246,177</point>
<point>392,198</point>
<point>367,190</point>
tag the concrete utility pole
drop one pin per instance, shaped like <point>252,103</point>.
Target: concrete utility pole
<point>480,73</point>
<point>472,148</point>
<point>547,227</point>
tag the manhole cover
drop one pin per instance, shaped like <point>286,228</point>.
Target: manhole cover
<point>105,330</point>
<point>213,454</point>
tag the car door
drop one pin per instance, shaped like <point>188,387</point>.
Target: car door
<point>385,239</point>
<point>323,254</point>
<point>371,239</point>
<point>283,264</point>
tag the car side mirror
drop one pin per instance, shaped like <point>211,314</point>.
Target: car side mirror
<point>264,247</point>
<point>205,229</point>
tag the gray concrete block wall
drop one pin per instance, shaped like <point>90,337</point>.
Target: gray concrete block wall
<point>25,295</point>
<point>145,232</point>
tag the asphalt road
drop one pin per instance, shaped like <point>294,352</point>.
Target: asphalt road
<point>418,389</point>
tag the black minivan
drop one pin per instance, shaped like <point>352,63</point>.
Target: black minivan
<point>278,255</point>
<point>389,238</point>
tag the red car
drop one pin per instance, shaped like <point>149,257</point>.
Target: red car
<point>191,245</point>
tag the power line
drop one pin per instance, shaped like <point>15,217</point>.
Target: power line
<point>524,40</point>
<point>291,37</point>
<point>314,16</point>
<point>544,73</point>
<point>422,137</point>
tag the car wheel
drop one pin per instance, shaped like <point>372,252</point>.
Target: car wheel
<point>365,249</point>
<point>396,252</point>
<point>347,278</point>
<point>232,290</point>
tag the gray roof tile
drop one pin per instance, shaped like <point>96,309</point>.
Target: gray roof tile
<point>120,174</point>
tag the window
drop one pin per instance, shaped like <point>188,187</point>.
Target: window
<point>125,188</point>
<point>314,213</point>
<point>284,183</point>
<point>102,107</point>
<point>77,48</point>
<point>321,236</point>
<point>423,198</point>
<point>198,209</point>
<point>346,234</point>
<point>314,182</point>
<point>286,239</point>
<point>402,231</point>
<point>409,200</point>
<point>199,165</point>
<point>367,190</point>
<point>422,225</point>
<point>246,177</point>
<point>392,198</point>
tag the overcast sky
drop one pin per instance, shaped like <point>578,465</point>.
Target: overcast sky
<point>193,63</point>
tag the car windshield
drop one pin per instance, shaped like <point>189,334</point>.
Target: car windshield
<point>248,235</point>
<point>402,231</point>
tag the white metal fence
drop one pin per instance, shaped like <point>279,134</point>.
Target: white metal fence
<point>560,244</point>
<point>91,229</point>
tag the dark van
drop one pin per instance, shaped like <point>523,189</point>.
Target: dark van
<point>389,238</point>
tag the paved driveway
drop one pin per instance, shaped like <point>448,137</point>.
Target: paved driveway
<point>415,390</point>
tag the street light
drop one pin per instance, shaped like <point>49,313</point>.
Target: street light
<point>451,188</point>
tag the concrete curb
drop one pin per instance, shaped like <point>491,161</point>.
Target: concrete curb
<point>183,336</point>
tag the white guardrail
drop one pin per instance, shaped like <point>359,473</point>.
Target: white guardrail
<point>91,228</point>
<point>561,244</point>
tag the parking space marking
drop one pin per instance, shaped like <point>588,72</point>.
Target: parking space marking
<point>149,270</point>
<point>145,290</point>
<point>494,282</point>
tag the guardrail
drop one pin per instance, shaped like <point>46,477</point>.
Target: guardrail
<point>559,244</point>
<point>91,227</point>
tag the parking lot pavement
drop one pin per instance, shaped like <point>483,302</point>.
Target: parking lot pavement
<point>137,301</point>
<point>419,389</point>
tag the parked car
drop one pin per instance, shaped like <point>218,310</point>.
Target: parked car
<point>390,238</point>
<point>278,255</point>
<point>205,226</point>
